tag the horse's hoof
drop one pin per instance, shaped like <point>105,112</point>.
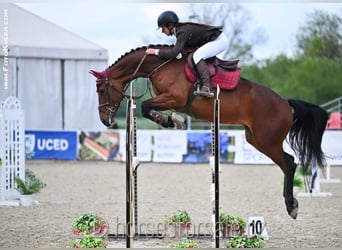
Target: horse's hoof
<point>178,120</point>
<point>294,212</point>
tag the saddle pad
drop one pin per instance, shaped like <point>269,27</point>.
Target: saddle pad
<point>225,79</point>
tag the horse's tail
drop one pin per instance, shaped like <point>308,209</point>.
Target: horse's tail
<point>305,136</point>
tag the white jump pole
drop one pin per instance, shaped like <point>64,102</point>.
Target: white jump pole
<point>315,189</point>
<point>215,168</point>
<point>131,164</point>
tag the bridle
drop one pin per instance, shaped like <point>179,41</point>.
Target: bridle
<point>109,108</point>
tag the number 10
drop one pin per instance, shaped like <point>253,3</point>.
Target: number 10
<point>256,227</point>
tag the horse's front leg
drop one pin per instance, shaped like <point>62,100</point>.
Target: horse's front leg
<point>150,110</point>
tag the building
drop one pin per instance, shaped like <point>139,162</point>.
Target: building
<point>46,67</point>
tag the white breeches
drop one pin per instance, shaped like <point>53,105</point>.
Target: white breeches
<point>211,49</point>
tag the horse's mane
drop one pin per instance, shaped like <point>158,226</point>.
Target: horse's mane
<point>138,49</point>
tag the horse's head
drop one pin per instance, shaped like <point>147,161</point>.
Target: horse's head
<point>109,96</point>
<point>112,82</point>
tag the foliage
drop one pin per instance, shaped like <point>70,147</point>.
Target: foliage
<point>181,217</point>
<point>92,228</point>
<point>31,185</point>
<point>241,222</point>
<point>184,244</point>
<point>89,224</point>
<point>243,241</point>
<point>228,219</point>
<point>312,80</point>
<point>321,37</point>
<point>300,171</point>
<point>298,181</point>
<point>235,20</point>
<point>89,241</point>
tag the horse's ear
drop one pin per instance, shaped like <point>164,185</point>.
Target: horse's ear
<point>97,74</point>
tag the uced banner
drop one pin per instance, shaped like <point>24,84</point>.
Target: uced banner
<point>60,145</point>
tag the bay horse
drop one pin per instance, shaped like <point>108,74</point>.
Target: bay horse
<point>267,118</point>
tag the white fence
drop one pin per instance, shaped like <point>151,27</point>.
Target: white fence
<point>12,147</point>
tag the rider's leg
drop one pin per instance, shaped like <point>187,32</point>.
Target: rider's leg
<point>208,50</point>
<point>203,72</point>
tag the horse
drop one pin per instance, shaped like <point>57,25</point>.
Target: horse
<point>266,117</point>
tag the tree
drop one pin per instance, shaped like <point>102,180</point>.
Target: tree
<point>234,19</point>
<point>316,81</point>
<point>321,37</point>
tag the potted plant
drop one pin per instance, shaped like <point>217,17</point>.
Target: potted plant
<point>178,223</point>
<point>89,241</point>
<point>226,222</point>
<point>184,244</point>
<point>28,187</point>
<point>240,225</point>
<point>231,225</point>
<point>91,228</point>
<point>90,224</point>
<point>243,241</point>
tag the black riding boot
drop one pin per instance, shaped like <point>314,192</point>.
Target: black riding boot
<point>204,75</point>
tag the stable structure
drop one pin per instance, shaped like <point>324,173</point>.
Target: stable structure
<point>46,67</point>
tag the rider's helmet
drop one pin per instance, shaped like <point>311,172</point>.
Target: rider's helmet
<point>166,18</point>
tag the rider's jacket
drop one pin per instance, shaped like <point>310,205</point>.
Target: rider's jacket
<point>191,36</point>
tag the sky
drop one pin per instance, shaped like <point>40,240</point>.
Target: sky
<point>122,26</point>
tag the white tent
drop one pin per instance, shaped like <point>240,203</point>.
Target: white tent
<point>46,67</point>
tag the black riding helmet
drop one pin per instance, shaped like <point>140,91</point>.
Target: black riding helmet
<point>166,18</point>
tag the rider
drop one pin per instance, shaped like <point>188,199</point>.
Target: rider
<point>207,40</point>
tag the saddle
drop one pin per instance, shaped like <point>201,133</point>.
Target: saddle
<point>225,74</point>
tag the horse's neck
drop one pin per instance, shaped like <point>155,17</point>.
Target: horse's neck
<point>136,65</point>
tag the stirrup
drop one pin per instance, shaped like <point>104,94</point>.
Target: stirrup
<point>199,92</point>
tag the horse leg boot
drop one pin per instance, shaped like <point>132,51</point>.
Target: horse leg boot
<point>204,74</point>
<point>161,118</point>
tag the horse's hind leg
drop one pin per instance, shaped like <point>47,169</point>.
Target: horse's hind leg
<point>274,150</point>
<point>290,201</point>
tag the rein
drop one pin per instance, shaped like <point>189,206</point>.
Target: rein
<point>134,74</point>
<point>161,65</point>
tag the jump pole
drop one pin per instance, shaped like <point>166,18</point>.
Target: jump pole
<point>215,168</point>
<point>132,162</point>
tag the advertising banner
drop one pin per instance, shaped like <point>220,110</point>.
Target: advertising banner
<point>332,146</point>
<point>61,145</point>
<point>199,147</point>
<point>100,145</point>
<point>144,145</point>
<point>169,146</point>
<point>245,153</point>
